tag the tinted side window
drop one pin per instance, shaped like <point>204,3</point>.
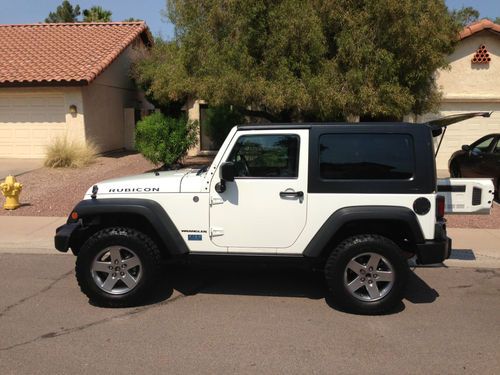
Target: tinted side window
<point>266,156</point>
<point>497,148</point>
<point>483,146</point>
<point>366,156</point>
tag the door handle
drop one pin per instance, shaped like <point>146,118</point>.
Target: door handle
<point>298,194</point>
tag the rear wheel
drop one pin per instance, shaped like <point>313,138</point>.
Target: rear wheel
<point>117,267</point>
<point>367,274</point>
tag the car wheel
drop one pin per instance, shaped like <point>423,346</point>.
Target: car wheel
<point>367,274</point>
<point>455,170</point>
<point>117,267</point>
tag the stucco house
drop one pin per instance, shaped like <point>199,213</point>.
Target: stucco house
<point>470,85</point>
<point>69,80</point>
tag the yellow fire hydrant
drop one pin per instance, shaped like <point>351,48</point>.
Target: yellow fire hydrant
<point>11,190</point>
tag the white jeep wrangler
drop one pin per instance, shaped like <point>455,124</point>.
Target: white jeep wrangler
<point>357,200</point>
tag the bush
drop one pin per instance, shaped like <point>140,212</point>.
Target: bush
<point>164,139</point>
<point>219,122</point>
<point>63,153</point>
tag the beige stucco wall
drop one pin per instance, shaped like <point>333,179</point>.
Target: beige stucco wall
<point>105,101</point>
<point>468,87</point>
<point>31,118</point>
<point>466,80</point>
<point>192,108</point>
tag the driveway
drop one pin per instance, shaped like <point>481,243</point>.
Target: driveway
<point>17,167</point>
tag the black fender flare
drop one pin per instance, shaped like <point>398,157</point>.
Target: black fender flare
<point>151,210</point>
<point>349,214</point>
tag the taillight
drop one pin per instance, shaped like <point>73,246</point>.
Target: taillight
<point>440,203</point>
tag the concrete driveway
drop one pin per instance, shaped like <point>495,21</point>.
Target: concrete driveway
<point>17,167</point>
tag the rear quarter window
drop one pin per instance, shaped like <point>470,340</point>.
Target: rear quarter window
<point>366,156</point>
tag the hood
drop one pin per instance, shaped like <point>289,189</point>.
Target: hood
<point>154,182</point>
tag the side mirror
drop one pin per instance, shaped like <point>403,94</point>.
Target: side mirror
<point>466,148</point>
<point>227,171</point>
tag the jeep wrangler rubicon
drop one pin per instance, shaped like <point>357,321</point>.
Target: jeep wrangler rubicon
<point>357,200</point>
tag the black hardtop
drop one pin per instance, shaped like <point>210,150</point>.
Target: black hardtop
<point>369,127</point>
<point>434,125</point>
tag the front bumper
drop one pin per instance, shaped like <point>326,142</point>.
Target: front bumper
<point>437,250</point>
<point>62,239</point>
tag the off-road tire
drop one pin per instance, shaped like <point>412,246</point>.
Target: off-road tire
<point>336,265</point>
<point>142,245</point>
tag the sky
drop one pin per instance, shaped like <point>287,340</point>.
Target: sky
<point>32,11</point>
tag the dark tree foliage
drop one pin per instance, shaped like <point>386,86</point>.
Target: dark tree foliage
<point>465,16</point>
<point>96,14</point>
<point>303,59</point>
<point>64,13</point>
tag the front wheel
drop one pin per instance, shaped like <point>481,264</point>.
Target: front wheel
<point>117,267</point>
<point>367,274</point>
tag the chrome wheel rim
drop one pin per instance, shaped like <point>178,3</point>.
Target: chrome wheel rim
<point>116,270</point>
<point>369,277</point>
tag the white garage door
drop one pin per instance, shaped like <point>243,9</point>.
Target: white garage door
<point>465,132</point>
<point>28,123</point>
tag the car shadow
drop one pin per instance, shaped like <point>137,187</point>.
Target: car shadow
<point>271,281</point>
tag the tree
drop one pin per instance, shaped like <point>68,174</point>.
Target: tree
<point>497,20</point>
<point>132,19</point>
<point>303,59</point>
<point>64,13</point>
<point>96,14</point>
<point>465,16</point>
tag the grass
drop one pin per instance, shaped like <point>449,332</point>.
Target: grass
<point>63,153</point>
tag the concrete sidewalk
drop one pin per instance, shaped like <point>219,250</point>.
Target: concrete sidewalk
<point>35,235</point>
<point>29,234</point>
<point>17,167</point>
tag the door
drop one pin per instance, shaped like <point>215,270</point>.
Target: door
<point>265,207</point>
<point>493,168</point>
<point>475,162</point>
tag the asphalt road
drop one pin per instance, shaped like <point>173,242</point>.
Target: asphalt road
<point>258,320</point>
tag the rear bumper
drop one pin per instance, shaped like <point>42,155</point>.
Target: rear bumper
<point>63,236</point>
<point>437,250</point>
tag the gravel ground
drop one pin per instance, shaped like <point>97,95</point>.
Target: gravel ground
<point>54,192</point>
<point>491,221</point>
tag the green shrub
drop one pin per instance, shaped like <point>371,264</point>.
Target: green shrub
<point>164,139</point>
<point>63,153</point>
<point>219,122</point>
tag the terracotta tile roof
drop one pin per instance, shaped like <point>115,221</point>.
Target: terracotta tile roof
<point>66,53</point>
<point>479,26</point>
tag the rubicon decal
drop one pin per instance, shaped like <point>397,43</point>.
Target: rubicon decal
<point>134,190</point>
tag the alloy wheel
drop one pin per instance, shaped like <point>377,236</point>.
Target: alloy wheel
<point>369,277</point>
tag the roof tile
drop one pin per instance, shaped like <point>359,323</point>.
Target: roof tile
<point>478,26</point>
<point>63,52</point>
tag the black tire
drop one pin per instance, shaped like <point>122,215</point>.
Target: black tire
<point>338,274</point>
<point>127,241</point>
<point>455,170</point>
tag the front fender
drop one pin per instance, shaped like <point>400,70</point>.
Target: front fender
<point>150,210</point>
